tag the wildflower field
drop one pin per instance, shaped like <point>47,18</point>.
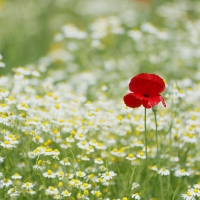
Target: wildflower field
<point>105,106</point>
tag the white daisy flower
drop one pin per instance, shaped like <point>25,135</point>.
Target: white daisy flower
<point>13,192</point>
<point>195,192</point>
<point>83,145</point>
<point>181,172</point>
<point>65,162</point>
<point>6,182</point>
<point>130,157</point>
<point>141,155</point>
<point>16,176</point>
<point>80,174</point>
<point>108,175</point>
<point>164,172</point>
<point>49,174</point>
<point>66,193</point>
<point>187,196</point>
<point>51,191</point>
<point>135,185</point>
<point>154,168</point>
<point>7,144</point>
<point>197,185</point>
<point>98,161</point>
<point>136,196</point>
<point>85,186</point>
<point>28,185</point>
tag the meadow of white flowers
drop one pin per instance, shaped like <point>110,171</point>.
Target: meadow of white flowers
<point>65,132</point>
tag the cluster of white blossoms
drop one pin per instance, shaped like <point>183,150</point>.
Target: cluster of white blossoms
<point>52,130</point>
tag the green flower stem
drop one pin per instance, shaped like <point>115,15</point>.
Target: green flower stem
<point>156,133</point>
<point>121,176</point>
<point>161,187</point>
<point>146,164</point>
<point>145,130</point>
<point>177,189</point>
<point>154,109</point>
<point>130,181</point>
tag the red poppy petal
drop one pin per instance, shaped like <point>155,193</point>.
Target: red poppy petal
<point>138,96</point>
<point>147,84</point>
<point>131,101</point>
<point>152,101</point>
<point>163,101</point>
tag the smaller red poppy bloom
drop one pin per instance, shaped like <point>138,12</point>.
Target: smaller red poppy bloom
<point>145,90</point>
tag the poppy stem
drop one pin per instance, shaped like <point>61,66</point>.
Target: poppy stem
<point>146,164</point>
<point>145,130</point>
<point>154,109</point>
<point>156,132</point>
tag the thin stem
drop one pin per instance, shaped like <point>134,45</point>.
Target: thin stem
<point>121,176</point>
<point>177,189</point>
<point>156,132</point>
<point>133,170</point>
<point>146,164</point>
<point>145,130</point>
<point>161,187</point>
<point>160,178</point>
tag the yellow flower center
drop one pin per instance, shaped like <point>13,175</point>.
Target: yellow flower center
<point>141,153</point>
<point>98,194</point>
<point>66,192</point>
<point>85,185</point>
<point>51,188</point>
<point>130,155</point>
<point>37,137</point>
<point>6,142</point>
<point>191,135</point>
<point>164,169</point>
<point>76,181</point>
<point>39,162</point>
<point>80,135</point>
<point>5,180</point>
<point>49,172</point>
<point>79,173</point>
<point>91,176</point>
<point>195,190</point>
<point>48,150</point>
<point>27,184</point>
<point>107,174</point>
<point>189,194</point>
<point>182,171</point>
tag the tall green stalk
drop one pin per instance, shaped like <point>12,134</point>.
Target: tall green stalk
<point>146,164</point>
<point>155,117</point>
<point>154,109</point>
<point>145,130</point>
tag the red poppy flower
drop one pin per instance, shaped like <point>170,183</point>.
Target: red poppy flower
<point>145,90</point>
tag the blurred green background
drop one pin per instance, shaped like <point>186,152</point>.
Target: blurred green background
<point>28,27</point>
